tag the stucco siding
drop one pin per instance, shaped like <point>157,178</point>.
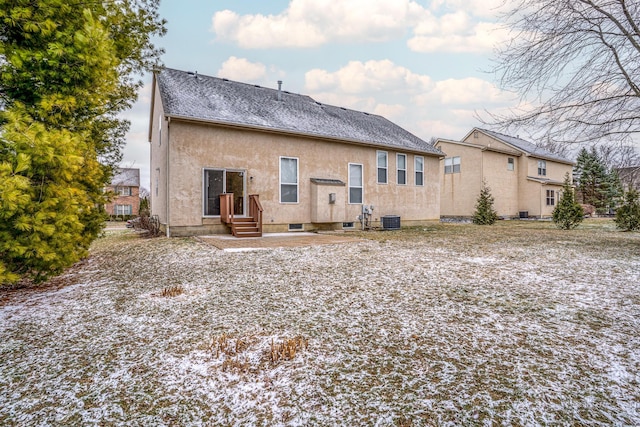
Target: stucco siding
<point>502,182</point>
<point>459,191</point>
<point>195,147</point>
<point>158,130</point>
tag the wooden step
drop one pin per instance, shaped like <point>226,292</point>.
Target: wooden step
<point>245,227</point>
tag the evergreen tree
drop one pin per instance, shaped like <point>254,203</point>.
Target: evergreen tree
<point>596,184</point>
<point>568,213</point>
<point>485,214</point>
<point>65,75</point>
<point>628,215</point>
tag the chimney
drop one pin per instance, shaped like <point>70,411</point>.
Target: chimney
<point>279,90</point>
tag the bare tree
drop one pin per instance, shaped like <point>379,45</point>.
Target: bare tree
<point>578,62</point>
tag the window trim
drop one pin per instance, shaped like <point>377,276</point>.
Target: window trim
<point>297,183</point>
<point>361,187</point>
<point>123,190</point>
<point>398,170</point>
<point>385,168</point>
<point>452,165</point>
<point>542,168</point>
<point>416,171</point>
<point>127,211</point>
<point>551,197</point>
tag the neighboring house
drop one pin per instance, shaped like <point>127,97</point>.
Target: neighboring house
<point>525,180</point>
<point>629,177</point>
<point>290,163</point>
<point>125,184</point>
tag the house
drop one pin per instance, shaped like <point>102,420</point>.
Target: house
<point>525,180</point>
<point>125,184</point>
<point>233,156</point>
<point>629,177</point>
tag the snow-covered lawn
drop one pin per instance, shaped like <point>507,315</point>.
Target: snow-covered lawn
<point>451,324</point>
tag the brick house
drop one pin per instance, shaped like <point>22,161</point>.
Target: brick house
<point>125,184</point>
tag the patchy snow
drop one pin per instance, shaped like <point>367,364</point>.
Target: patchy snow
<point>446,325</point>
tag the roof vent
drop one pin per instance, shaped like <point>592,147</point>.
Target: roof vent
<point>279,90</point>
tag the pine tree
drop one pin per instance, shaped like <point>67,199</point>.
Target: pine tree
<point>596,184</point>
<point>65,75</point>
<point>628,215</point>
<point>568,213</point>
<point>484,213</point>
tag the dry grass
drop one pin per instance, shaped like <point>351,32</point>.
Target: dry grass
<point>514,324</point>
<point>172,291</point>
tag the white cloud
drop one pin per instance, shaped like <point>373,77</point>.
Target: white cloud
<point>390,112</point>
<point>428,108</point>
<point>358,77</point>
<point>310,23</point>
<point>448,25</point>
<point>468,91</point>
<point>457,32</point>
<point>243,70</point>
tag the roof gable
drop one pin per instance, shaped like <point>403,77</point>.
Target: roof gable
<point>526,147</point>
<point>211,99</point>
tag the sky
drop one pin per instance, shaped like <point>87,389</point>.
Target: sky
<point>423,64</point>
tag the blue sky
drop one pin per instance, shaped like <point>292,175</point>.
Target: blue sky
<point>420,63</point>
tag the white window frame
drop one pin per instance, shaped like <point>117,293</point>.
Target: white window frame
<point>419,171</point>
<point>123,210</point>
<point>122,190</point>
<point>385,168</point>
<point>361,187</point>
<point>511,163</point>
<point>542,168</point>
<point>296,184</point>
<point>399,169</point>
<point>451,163</point>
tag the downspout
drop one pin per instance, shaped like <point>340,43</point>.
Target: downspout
<point>167,183</point>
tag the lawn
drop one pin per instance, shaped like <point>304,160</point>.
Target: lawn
<point>449,324</point>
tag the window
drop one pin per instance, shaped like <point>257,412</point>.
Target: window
<point>382,167</point>
<point>542,168</point>
<point>551,198</point>
<point>288,180</point>
<point>401,164</point>
<point>159,130</point>
<point>223,181</point>
<point>510,164</point>
<point>123,210</point>
<point>452,165</point>
<point>355,183</point>
<point>123,191</point>
<point>348,225</point>
<point>419,168</point>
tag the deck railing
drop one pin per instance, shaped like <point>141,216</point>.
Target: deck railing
<point>226,208</point>
<point>255,210</point>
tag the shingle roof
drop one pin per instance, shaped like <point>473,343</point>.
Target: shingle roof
<point>526,146</point>
<point>126,177</point>
<point>195,96</point>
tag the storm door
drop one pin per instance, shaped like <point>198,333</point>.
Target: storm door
<point>221,181</point>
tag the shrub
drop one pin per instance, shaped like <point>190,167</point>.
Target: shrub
<point>568,213</point>
<point>485,214</point>
<point>628,215</point>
